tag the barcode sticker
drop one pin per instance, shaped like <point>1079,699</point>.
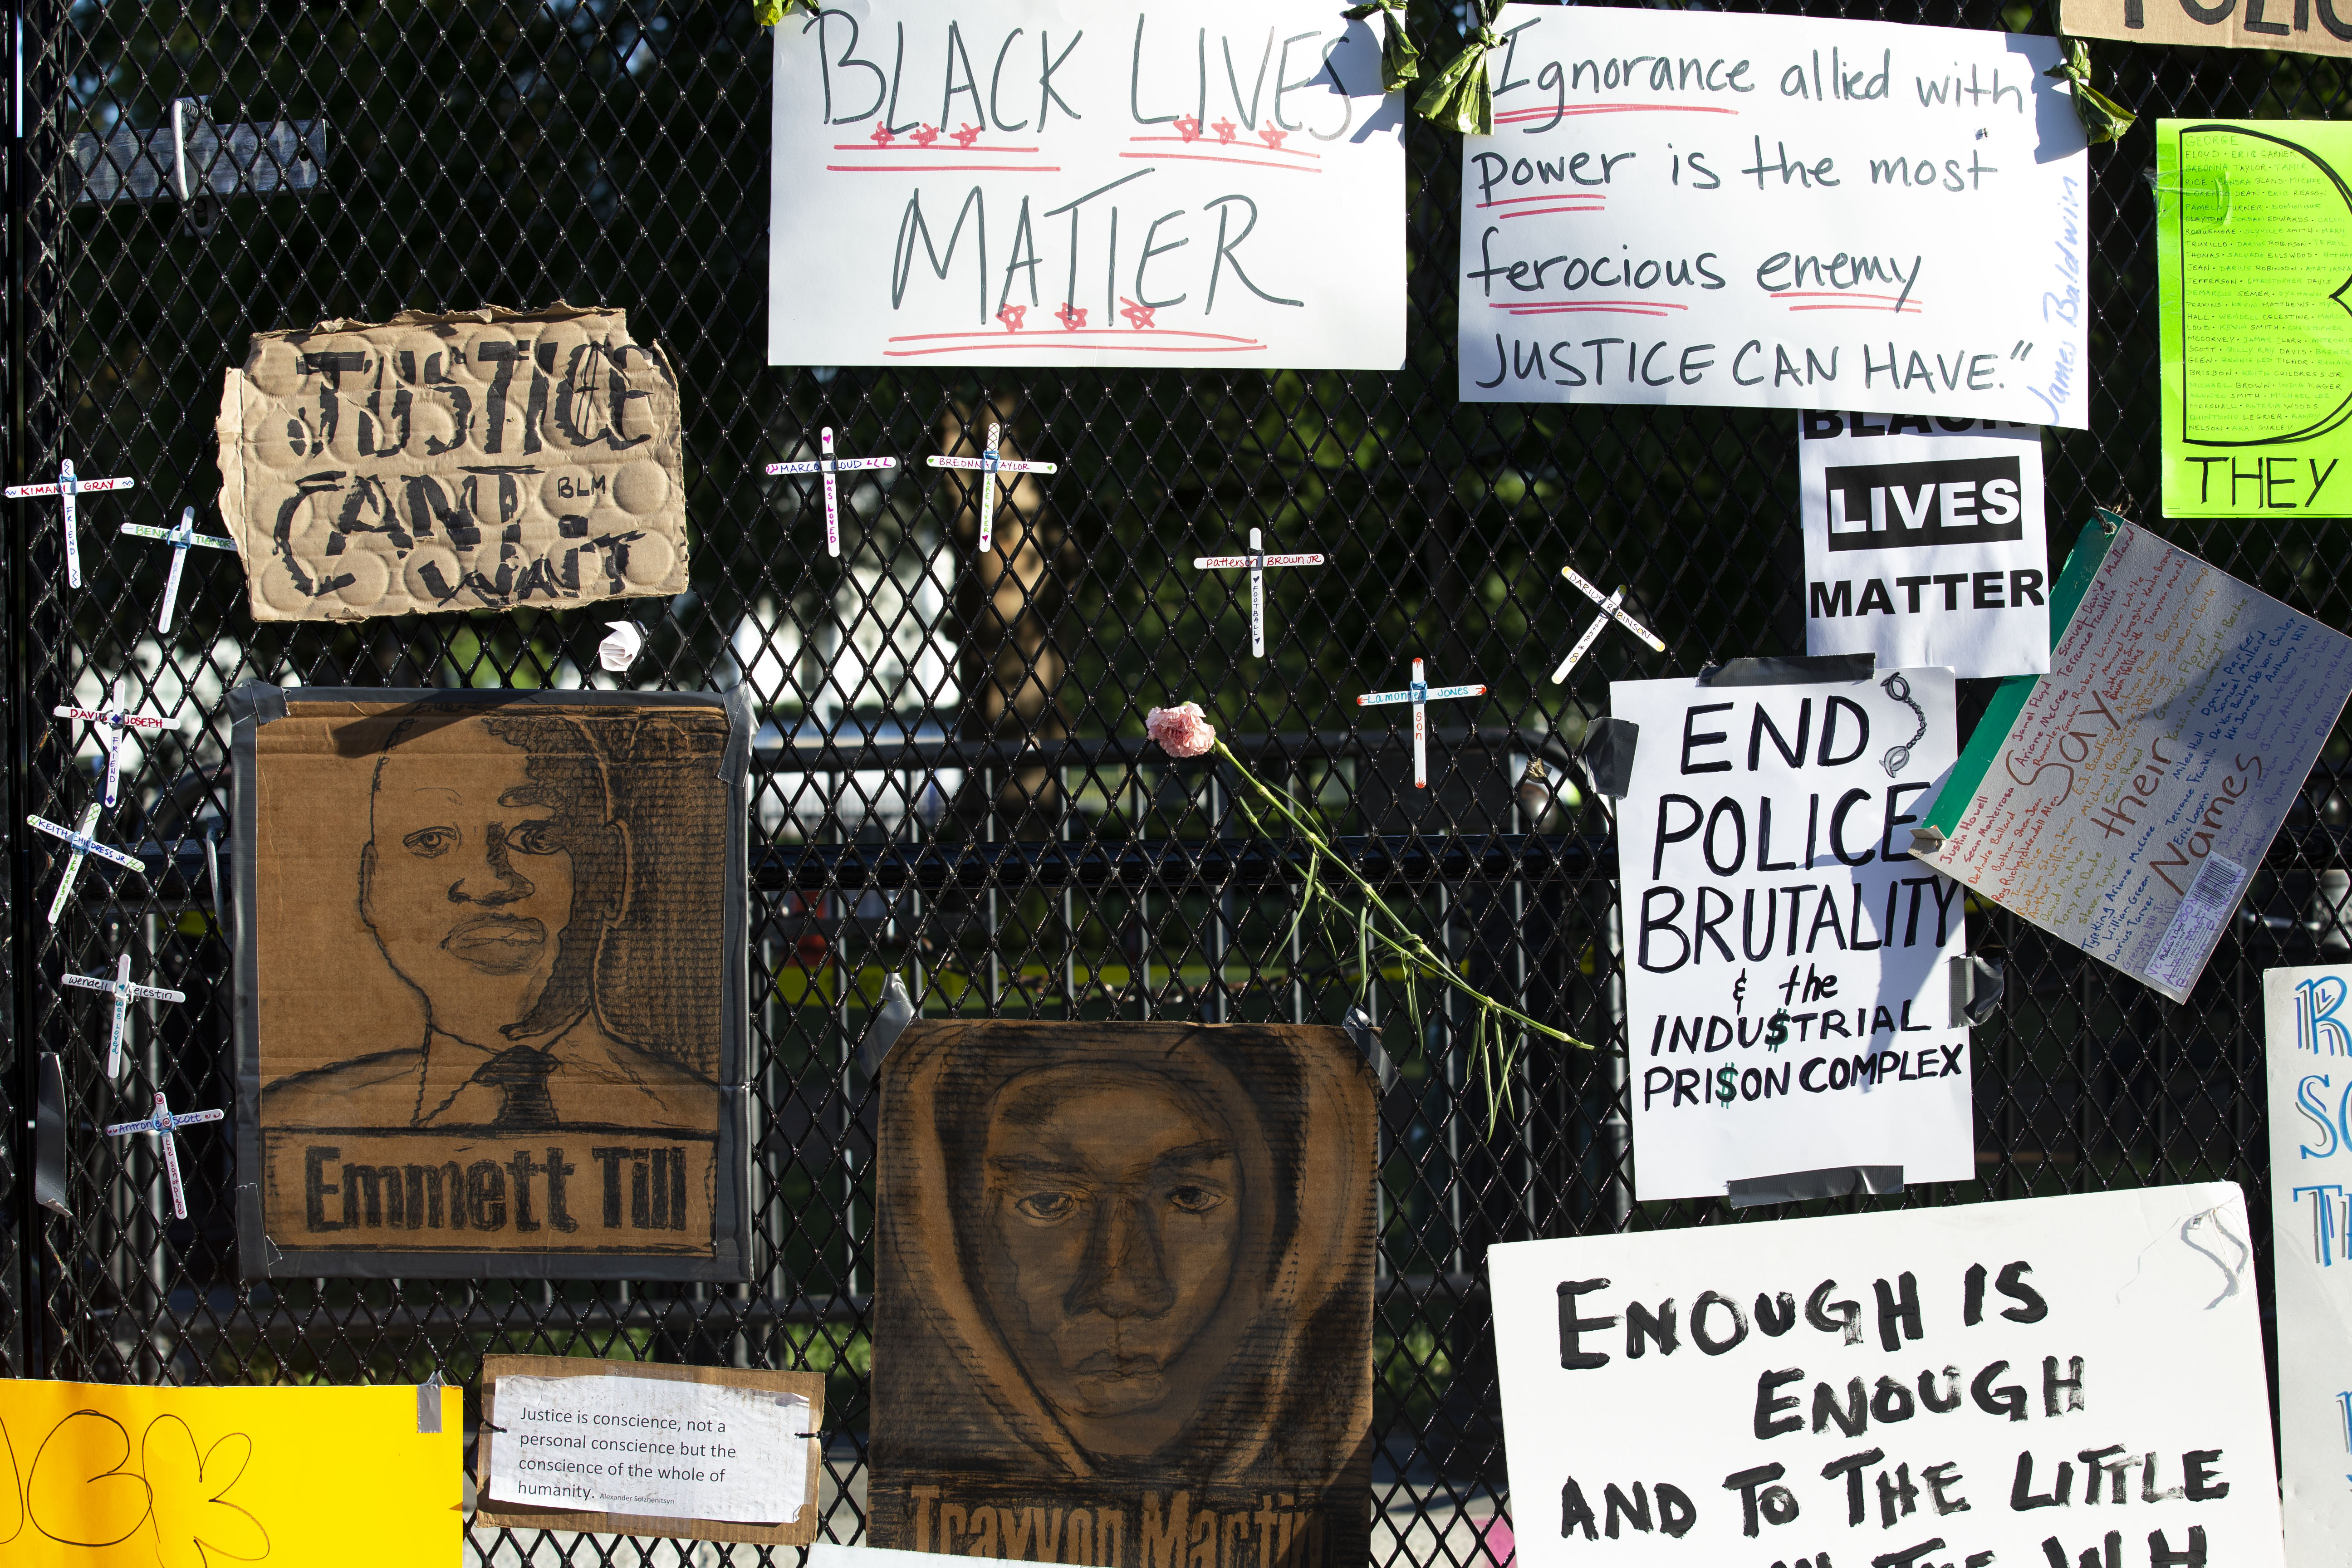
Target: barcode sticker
<point>2179,958</point>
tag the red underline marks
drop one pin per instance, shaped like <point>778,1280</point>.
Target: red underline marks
<point>946,168</point>
<point>1911,310</point>
<point>870,147</point>
<point>1538,212</point>
<point>1196,142</point>
<point>1514,116</point>
<point>1210,158</point>
<point>1082,332</point>
<point>1131,345</point>
<point>1536,307</point>
<point>1842,294</point>
<point>1554,197</point>
<point>1569,310</point>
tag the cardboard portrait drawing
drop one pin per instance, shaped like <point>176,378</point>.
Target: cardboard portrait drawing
<point>493,988</point>
<point>1123,1305</point>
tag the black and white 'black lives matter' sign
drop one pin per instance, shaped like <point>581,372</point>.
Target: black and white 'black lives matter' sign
<point>1925,542</point>
<point>2049,1383</point>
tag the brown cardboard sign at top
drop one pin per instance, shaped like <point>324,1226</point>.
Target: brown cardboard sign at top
<point>2302,27</point>
<point>493,459</point>
<point>1123,1294</point>
<point>492,980</point>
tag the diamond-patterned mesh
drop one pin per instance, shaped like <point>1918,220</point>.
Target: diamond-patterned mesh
<point>951,782</point>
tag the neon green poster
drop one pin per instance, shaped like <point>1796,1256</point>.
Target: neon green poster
<point>2254,261</point>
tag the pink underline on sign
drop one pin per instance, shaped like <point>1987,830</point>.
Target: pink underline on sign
<point>1839,294</point>
<point>1611,309</point>
<point>872,147</point>
<point>937,168</point>
<point>1554,197</point>
<point>1538,307</point>
<point>1211,158</point>
<point>1538,212</point>
<point>1516,115</point>
<point>1128,344</point>
<point>1897,310</point>
<point>1196,142</point>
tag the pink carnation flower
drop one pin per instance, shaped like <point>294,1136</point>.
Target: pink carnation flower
<point>1181,731</point>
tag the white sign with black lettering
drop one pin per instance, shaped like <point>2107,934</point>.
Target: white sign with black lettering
<point>661,1449</point>
<point>2052,1383</point>
<point>1924,542</point>
<point>1786,992</point>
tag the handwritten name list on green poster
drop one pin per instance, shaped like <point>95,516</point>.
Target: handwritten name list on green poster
<point>2254,230</point>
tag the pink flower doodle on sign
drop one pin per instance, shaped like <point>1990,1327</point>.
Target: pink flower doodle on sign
<point>1072,317</point>
<point>1271,137</point>
<point>965,137</point>
<point>883,136</point>
<point>1188,127</point>
<point>1182,731</point>
<point>1010,316</point>
<point>1224,129</point>
<point>926,136</point>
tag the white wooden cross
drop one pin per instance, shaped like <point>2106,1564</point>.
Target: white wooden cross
<point>179,539</point>
<point>990,464</point>
<point>67,487</point>
<point>83,844</point>
<point>116,719</point>
<point>829,466</point>
<point>1609,612</point>
<point>1258,561</point>
<point>124,994</point>
<point>1421,694</point>
<point>165,1125</point>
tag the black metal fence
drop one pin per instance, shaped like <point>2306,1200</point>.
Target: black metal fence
<point>949,783</point>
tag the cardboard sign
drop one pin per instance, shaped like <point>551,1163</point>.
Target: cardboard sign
<point>1786,991</point>
<point>2056,1382</point>
<point>2307,28</point>
<point>1924,543</point>
<point>106,1476</point>
<point>488,460</point>
<point>2308,1018</point>
<point>1216,184</point>
<point>492,983</point>
<point>1123,1294</point>
<point>644,1448</point>
<point>2257,382</point>
<point>2122,801</point>
<point>1774,212</point>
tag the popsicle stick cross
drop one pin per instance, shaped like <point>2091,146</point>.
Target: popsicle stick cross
<point>68,487</point>
<point>82,844</point>
<point>1609,612</point>
<point>1421,694</point>
<point>1256,560</point>
<point>179,539</point>
<point>115,718</point>
<point>124,992</point>
<point>829,466</point>
<point>990,464</point>
<point>166,1126</point>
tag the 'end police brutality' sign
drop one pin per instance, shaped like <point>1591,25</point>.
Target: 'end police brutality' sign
<point>1924,542</point>
<point>1786,991</point>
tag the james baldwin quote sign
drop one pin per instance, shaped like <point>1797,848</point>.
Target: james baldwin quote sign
<point>2055,1382</point>
<point>1039,182</point>
<point>1774,212</point>
<point>1786,992</point>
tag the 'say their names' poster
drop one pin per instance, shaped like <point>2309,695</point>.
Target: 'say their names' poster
<point>1774,212</point>
<point>1040,183</point>
<point>1787,999</point>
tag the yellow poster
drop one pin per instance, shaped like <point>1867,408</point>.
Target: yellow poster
<point>102,1475</point>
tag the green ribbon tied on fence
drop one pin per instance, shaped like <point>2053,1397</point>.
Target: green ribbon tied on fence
<point>2103,120</point>
<point>771,12</point>
<point>1400,61</point>
<point>1458,95</point>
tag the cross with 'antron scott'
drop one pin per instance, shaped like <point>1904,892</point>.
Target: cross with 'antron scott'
<point>83,844</point>
<point>990,464</point>
<point>165,1125</point>
<point>179,539</point>
<point>1258,561</point>
<point>66,488</point>
<point>124,994</point>
<point>115,718</point>
<point>1609,612</point>
<point>828,466</point>
<point>1421,694</point>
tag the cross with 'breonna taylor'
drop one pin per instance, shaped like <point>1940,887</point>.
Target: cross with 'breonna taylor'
<point>116,720</point>
<point>124,994</point>
<point>179,539</point>
<point>83,844</point>
<point>828,466</point>
<point>67,487</point>
<point>1609,612</point>
<point>990,464</point>
<point>1421,694</point>
<point>1258,561</point>
<point>165,1125</point>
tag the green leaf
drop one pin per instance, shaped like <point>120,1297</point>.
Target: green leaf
<point>2103,120</point>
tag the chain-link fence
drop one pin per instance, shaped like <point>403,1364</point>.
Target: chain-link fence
<point>950,780</point>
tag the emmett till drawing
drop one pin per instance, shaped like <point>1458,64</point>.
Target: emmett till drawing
<point>1123,1302</point>
<point>491,977</point>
